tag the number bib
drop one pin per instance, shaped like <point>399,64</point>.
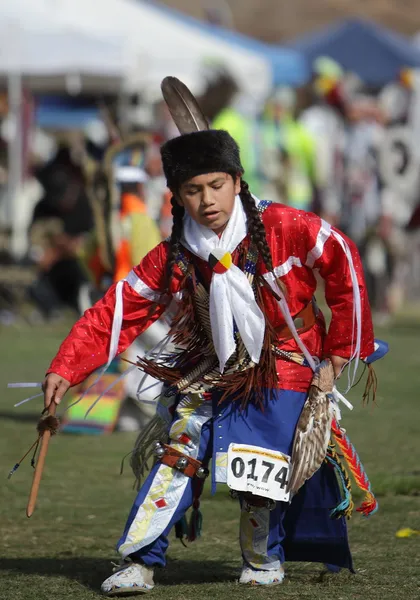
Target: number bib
<point>258,471</point>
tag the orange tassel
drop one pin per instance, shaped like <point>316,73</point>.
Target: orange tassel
<point>369,505</point>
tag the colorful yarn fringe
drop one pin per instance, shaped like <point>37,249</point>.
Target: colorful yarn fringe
<point>370,504</point>
<point>346,506</point>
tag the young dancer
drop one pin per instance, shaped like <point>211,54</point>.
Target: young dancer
<point>248,337</point>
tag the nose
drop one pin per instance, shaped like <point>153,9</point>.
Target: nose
<point>207,197</point>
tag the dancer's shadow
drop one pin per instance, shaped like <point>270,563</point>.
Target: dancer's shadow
<point>198,571</point>
<point>21,417</point>
<point>90,572</point>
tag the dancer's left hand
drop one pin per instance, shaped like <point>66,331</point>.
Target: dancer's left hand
<point>338,363</point>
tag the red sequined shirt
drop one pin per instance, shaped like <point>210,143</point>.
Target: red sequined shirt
<point>300,243</point>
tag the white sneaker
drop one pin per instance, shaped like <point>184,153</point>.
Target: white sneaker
<point>131,578</point>
<point>252,577</point>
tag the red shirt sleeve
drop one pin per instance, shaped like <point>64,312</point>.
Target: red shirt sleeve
<point>300,243</point>
<point>326,254</point>
<point>86,348</point>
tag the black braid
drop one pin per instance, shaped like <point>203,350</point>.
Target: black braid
<point>178,216</point>
<point>255,225</point>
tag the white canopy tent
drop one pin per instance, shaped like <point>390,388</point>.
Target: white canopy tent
<point>35,44</point>
<point>53,60</point>
<point>36,49</point>
<point>156,44</point>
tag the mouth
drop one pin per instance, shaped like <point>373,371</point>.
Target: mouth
<point>211,215</point>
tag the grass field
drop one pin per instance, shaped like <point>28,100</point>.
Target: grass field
<point>65,550</point>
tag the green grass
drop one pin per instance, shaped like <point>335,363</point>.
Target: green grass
<point>64,550</point>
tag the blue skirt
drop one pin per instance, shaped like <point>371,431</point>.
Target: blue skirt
<point>311,534</point>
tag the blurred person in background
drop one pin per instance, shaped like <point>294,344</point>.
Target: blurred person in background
<point>399,172</point>
<point>60,222</point>
<point>286,153</point>
<point>325,120</point>
<point>362,208</point>
<point>3,178</point>
<point>365,217</point>
<point>124,214</point>
<point>138,232</point>
<point>155,184</point>
<point>158,197</point>
<point>239,119</point>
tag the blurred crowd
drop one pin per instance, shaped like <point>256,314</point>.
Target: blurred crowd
<point>95,200</point>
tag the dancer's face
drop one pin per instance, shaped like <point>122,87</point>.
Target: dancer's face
<point>209,199</point>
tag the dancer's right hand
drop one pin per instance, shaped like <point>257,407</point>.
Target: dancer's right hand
<point>54,388</point>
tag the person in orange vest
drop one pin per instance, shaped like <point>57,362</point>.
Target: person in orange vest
<point>137,231</point>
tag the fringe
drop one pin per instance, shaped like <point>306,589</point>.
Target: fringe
<point>191,325</point>
<point>370,505</point>
<point>157,430</point>
<point>193,367</point>
<point>196,519</point>
<point>346,506</point>
<point>371,387</point>
<point>248,383</point>
<point>195,525</point>
<point>181,530</point>
<point>50,423</point>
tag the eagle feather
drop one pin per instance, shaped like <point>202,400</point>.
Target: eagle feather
<point>313,430</point>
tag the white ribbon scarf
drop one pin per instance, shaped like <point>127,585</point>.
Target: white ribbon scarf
<point>231,295</point>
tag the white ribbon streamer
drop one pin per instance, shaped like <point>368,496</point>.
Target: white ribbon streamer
<point>106,390</point>
<point>113,348</point>
<point>338,397</point>
<point>357,319</point>
<point>23,385</point>
<point>357,313</point>
<point>115,337</point>
<point>27,399</point>
<point>160,346</point>
<point>231,295</point>
<point>154,353</point>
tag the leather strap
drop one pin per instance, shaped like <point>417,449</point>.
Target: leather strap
<point>171,457</point>
<point>303,321</point>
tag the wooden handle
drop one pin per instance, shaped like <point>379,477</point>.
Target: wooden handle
<point>45,440</point>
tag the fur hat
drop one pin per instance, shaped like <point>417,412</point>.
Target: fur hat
<point>193,154</point>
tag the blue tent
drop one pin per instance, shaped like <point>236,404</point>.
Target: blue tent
<point>374,53</point>
<point>289,67</point>
<point>63,112</point>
